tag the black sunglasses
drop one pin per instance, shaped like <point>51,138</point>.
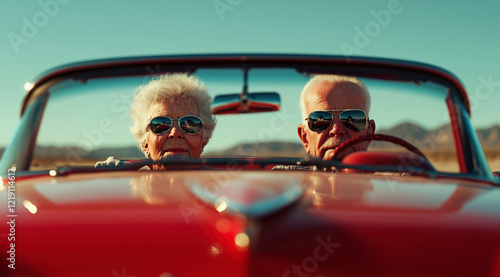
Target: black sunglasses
<point>190,124</point>
<point>354,120</point>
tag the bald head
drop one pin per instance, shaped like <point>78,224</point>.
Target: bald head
<point>329,93</point>
<point>341,92</point>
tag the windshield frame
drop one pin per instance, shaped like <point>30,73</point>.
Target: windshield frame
<point>471,158</point>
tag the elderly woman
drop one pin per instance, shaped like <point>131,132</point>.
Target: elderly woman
<point>171,117</point>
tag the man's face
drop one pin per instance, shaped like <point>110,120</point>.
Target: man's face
<point>326,96</point>
<point>174,142</point>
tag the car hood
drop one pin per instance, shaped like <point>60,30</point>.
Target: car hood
<point>254,223</point>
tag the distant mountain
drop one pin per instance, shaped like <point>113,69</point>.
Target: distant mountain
<point>78,153</point>
<point>427,140</point>
<point>272,148</point>
<point>407,131</point>
<point>490,137</point>
<point>438,139</point>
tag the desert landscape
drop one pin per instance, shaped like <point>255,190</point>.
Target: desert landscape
<point>436,144</point>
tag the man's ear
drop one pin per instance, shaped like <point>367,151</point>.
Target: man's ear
<point>371,127</point>
<point>303,136</point>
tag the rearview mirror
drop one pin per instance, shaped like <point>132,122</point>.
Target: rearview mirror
<point>246,103</point>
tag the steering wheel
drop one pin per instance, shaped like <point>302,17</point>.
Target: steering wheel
<point>380,137</point>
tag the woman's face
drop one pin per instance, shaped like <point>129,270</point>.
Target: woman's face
<point>174,142</point>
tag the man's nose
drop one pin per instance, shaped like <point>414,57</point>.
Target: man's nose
<point>337,129</point>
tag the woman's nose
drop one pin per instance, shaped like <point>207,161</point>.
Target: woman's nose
<point>175,132</point>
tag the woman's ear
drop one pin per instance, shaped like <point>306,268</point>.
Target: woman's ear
<point>145,149</point>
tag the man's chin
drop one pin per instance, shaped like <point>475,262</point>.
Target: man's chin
<point>329,154</point>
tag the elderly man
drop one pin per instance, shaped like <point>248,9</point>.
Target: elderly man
<point>335,109</point>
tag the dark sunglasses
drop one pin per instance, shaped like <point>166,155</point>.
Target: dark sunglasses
<point>354,120</point>
<point>190,124</point>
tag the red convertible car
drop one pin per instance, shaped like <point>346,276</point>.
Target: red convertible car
<point>422,201</point>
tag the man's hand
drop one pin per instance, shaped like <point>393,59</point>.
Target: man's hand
<point>111,162</point>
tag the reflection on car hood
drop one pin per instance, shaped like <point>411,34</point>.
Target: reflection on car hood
<point>239,223</point>
<point>242,191</point>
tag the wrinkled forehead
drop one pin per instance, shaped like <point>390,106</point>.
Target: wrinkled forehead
<point>327,96</point>
<point>172,108</point>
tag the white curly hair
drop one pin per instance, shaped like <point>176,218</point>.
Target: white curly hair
<point>170,87</point>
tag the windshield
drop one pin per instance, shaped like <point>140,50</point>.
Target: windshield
<point>86,122</point>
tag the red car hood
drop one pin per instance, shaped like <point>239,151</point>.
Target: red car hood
<point>250,223</point>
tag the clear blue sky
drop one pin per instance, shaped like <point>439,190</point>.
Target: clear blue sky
<point>460,36</point>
